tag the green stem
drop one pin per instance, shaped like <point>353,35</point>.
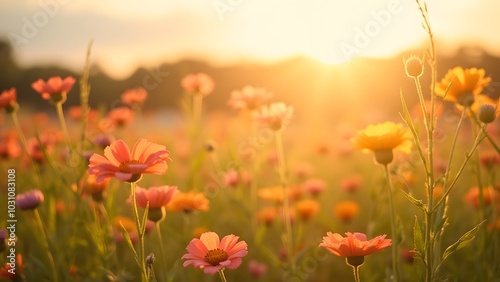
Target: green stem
<point>355,272</point>
<point>395,260</point>
<point>162,248</point>
<point>286,203</point>
<point>19,130</point>
<point>140,233</point>
<point>64,127</point>
<point>46,245</point>
<point>222,276</point>
<point>197,107</point>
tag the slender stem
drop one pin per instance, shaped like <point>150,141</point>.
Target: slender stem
<point>46,245</point>
<point>197,107</point>
<point>395,264</point>
<point>64,127</point>
<point>140,233</point>
<point>19,130</point>
<point>162,248</point>
<point>253,184</point>
<point>492,142</point>
<point>222,276</point>
<point>286,203</point>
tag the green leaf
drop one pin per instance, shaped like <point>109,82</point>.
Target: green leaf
<point>406,112</point>
<point>418,239</point>
<point>463,241</point>
<point>418,203</point>
<point>126,238</point>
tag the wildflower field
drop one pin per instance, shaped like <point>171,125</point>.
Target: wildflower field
<point>115,194</point>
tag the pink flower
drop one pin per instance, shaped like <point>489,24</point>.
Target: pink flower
<point>198,83</point>
<point>314,186</point>
<point>156,196</point>
<point>257,269</point>
<point>118,161</point>
<point>212,255</point>
<point>54,86</point>
<point>8,98</point>
<point>231,178</point>
<point>354,245</point>
<point>134,97</point>
<point>249,97</point>
<point>121,116</point>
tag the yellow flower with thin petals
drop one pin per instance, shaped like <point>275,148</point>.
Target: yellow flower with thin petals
<point>382,139</point>
<point>464,85</point>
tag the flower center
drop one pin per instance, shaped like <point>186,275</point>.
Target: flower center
<point>216,256</point>
<point>123,167</point>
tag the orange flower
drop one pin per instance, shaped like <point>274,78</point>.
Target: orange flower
<point>8,272</point>
<point>275,194</point>
<point>346,211</point>
<point>118,161</point>
<point>466,85</point>
<point>188,202</point>
<point>94,188</point>
<point>134,97</point>
<point>55,89</point>
<point>199,83</point>
<point>354,247</point>
<point>490,159</point>
<point>489,195</point>
<point>267,215</point>
<point>306,209</point>
<point>8,99</point>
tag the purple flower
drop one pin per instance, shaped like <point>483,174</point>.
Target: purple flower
<point>29,200</point>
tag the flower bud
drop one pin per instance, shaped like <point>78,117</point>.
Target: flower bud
<point>414,67</point>
<point>486,113</point>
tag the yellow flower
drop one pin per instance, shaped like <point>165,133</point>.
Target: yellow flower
<point>382,139</point>
<point>465,86</point>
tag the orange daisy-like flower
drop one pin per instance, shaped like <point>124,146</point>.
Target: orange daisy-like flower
<point>464,85</point>
<point>188,202</point>
<point>382,139</point>
<point>307,208</point>
<point>8,99</point>
<point>55,88</point>
<point>199,83</point>
<point>212,254</point>
<point>118,161</point>
<point>354,247</point>
<point>134,97</point>
<point>346,211</point>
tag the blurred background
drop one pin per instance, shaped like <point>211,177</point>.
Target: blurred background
<point>331,59</point>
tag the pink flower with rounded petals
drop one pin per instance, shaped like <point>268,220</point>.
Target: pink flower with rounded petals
<point>354,245</point>
<point>156,196</point>
<point>249,97</point>
<point>8,98</point>
<point>212,255</point>
<point>118,161</point>
<point>53,86</point>
<point>198,83</point>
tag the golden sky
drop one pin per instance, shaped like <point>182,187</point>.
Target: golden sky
<point>130,33</point>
